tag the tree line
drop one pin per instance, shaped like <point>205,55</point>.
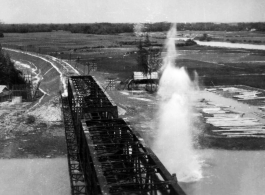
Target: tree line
<point>115,28</point>
<point>9,75</point>
<point>95,28</point>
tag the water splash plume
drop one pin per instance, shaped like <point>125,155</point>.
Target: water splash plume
<point>173,143</point>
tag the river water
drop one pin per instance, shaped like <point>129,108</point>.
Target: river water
<point>230,172</point>
<point>231,45</point>
<point>34,176</point>
<point>227,44</point>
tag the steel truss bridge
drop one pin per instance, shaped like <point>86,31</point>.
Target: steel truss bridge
<point>105,155</point>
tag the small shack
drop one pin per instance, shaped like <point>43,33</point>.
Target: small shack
<point>139,79</point>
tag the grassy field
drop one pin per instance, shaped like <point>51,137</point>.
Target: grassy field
<point>64,41</point>
<point>215,66</point>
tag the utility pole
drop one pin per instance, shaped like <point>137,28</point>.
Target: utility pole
<point>87,64</point>
<point>77,60</point>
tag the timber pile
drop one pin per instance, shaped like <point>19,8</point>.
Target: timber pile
<point>232,124</point>
<point>244,95</point>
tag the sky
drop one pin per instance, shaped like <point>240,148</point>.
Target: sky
<point>132,11</point>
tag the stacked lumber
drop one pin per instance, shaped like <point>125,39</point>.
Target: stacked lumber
<point>232,124</point>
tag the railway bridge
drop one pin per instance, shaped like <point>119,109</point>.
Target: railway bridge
<point>105,155</point>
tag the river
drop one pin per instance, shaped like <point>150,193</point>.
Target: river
<point>231,45</point>
<point>230,173</point>
<point>227,44</point>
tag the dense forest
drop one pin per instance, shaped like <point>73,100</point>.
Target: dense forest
<point>114,28</point>
<point>9,75</point>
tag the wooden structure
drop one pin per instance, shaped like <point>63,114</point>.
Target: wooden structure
<point>139,79</point>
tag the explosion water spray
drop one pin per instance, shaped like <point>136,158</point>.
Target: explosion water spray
<point>173,143</point>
